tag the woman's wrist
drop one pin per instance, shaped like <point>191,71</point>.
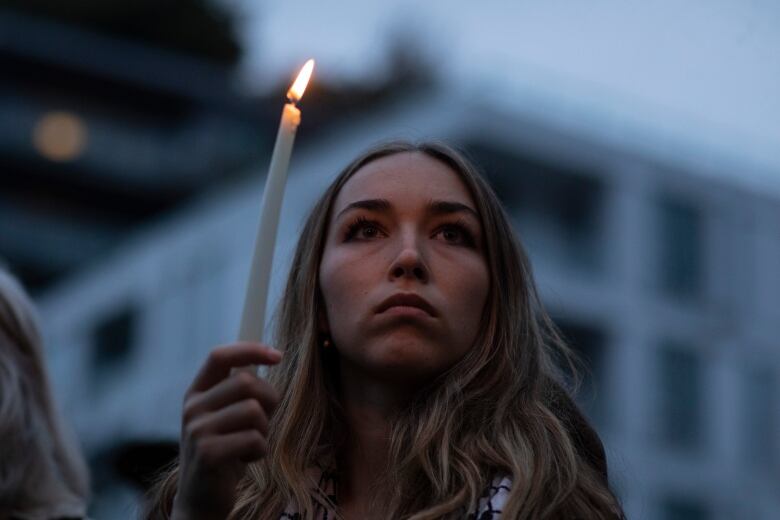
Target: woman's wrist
<point>182,512</point>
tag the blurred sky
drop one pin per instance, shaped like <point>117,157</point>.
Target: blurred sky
<point>713,64</point>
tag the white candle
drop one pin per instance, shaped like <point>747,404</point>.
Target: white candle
<point>253,316</point>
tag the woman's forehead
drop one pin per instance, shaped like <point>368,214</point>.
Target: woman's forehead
<point>406,177</point>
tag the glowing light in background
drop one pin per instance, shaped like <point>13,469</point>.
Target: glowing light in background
<point>60,136</point>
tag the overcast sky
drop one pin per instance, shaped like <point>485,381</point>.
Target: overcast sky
<point>711,62</point>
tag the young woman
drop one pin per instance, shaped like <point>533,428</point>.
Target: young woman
<point>414,377</point>
<point>43,475</point>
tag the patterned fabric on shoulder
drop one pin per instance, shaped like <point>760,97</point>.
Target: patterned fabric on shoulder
<point>492,501</point>
<point>323,494</point>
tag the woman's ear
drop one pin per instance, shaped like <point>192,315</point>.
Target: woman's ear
<point>322,323</point>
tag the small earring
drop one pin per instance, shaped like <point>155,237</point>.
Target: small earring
<point>326,343</point>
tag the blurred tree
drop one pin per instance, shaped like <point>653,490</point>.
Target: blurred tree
<point>198,27</point>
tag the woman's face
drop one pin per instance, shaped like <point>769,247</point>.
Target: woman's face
<point>403,225</point>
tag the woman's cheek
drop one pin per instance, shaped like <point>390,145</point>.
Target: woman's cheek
<point>474,295</point>
<point>344,281</point>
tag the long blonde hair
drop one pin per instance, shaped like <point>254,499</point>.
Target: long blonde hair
<point>499,411</point>
<point>42,470</point>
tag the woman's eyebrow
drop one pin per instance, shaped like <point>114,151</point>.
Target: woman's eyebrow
<point>434,207</point>
<point>443,207</point>
<point>369,204</point>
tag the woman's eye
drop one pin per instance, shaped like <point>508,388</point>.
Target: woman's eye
<point>457,234</point>
<point>369,230</point>
<point>362,228</point>
<point>450,234</point>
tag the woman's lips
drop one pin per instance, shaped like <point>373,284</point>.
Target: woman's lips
<point>406,300</point>
<point>406,310</point>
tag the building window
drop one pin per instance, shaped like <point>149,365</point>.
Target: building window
<point>683,508</point>
<point>680,248</point>
<point>680,392</point>
<point>759,408</point>
<point>589,344</point>
<point>557,211</point>
<point>113,340</point>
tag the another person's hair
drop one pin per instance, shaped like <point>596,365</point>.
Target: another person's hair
<point>501,410</point>
<point>42,470</point>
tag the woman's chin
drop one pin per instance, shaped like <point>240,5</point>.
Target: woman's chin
<point>404,359</point>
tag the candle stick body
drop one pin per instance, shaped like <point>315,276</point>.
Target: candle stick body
<point>253,315</point>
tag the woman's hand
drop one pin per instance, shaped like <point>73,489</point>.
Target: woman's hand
<point>224,427</point>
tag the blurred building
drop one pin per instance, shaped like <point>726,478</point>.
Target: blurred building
<point>100,135</point>
<point>663,278</point>
<point>660,268</point>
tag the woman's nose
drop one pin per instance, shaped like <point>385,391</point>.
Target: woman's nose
<point>409,264</point>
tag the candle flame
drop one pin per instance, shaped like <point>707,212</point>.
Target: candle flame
<point>296,91</point>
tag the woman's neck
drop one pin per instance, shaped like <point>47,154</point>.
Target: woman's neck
<point>364,458</point>
<point>369,406</point>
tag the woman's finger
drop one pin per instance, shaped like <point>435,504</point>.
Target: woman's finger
<point>245,446</point>
<point>235,388</point>
<point>223,359</point>
<point>243,415</point>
